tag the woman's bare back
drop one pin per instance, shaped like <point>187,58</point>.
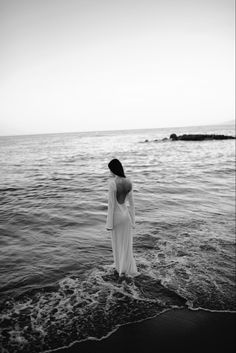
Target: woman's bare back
<point>123,187</point>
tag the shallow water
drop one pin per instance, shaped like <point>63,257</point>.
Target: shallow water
<point>56,282</point>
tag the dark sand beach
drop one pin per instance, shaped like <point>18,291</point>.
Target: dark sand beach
<point>179,330</point>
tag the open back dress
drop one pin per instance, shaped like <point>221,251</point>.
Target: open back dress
<point>121,220</point>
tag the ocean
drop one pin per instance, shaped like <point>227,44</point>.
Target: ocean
<point>57,285</point>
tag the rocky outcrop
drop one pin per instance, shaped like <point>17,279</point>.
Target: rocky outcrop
<point>199,137</point>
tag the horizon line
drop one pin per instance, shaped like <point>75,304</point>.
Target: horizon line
<point>231,122</point>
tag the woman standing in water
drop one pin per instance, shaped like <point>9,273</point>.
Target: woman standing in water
<point>121,219</point>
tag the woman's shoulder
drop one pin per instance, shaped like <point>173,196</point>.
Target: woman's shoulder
<point>112,183</point>
<point>128,184</point>
<point>129,180</point>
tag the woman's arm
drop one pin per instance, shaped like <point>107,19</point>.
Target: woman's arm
<point>131,207</point>
<point>111,205</point>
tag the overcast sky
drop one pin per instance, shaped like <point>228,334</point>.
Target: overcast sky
<point>80,65</point>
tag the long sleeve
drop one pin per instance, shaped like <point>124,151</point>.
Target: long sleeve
<point>131,207</point>
<point>111,205</point>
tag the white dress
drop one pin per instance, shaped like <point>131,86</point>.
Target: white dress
<point>121,220</point>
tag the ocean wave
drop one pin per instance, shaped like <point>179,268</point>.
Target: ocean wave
<point>170,275</point>
<point>75,310</point>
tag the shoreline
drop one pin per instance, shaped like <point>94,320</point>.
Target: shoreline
<point>173,331</point>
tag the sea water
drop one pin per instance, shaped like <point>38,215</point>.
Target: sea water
<point>57,284</point>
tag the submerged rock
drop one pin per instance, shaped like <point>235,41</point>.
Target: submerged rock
<point>199,137</point>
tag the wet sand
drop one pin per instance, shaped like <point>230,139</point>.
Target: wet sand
<point>178,330</point>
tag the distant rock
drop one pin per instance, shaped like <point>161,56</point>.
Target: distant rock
<point>199,137</point>
<point>173,137</point>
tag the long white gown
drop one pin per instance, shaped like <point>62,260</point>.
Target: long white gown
<point>121,220</point>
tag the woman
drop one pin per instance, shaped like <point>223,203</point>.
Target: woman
<point>120,219</point>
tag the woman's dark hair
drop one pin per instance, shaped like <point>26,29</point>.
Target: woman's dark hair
<point>116,167</point>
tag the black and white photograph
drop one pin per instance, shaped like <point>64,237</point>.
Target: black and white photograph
<point>117,176</point>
